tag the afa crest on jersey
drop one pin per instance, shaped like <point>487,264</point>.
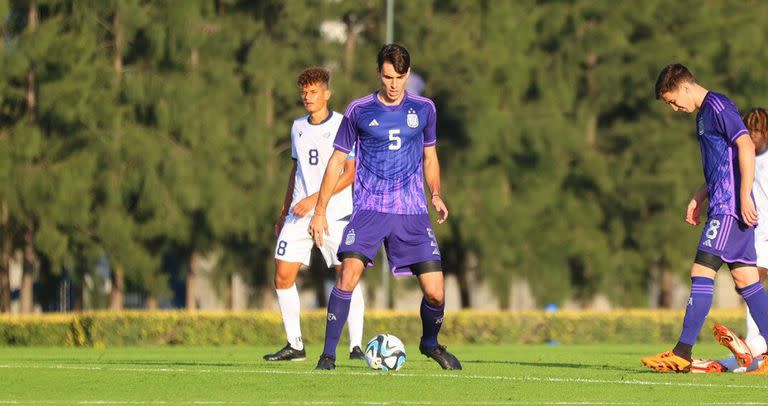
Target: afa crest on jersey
<point>350,237</point>
<point>412,119</point>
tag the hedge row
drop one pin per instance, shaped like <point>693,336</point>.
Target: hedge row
<point>260,328</point>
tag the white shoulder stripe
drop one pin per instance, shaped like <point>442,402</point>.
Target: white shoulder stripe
<point>718,103</point>
<point>358,102</point>
<point>714,106</point>
<point>424,99</point>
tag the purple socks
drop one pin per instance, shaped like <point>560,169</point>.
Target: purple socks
<point>338,310</point>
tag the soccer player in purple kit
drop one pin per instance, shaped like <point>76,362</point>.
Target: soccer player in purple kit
<point>728,160</point>
<point>394,134</point>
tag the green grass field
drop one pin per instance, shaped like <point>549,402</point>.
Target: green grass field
<point>493,374</point>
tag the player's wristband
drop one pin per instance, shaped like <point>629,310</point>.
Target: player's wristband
<point>436,195</point>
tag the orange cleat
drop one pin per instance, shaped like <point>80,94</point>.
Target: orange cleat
<point>667,362</point>
<point>762,369</point>
<point>706,366</point>
<point>738,347</point>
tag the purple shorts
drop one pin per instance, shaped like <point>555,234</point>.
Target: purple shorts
<point>408,239</point>
<point>729,239</point>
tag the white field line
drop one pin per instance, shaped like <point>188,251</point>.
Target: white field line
<point>201,402</point>
<point>548,379</point>
<point>207,402</point>
<point>213,402</point>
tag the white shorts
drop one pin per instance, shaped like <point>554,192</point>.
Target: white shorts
<point>295,245</point>
<point>761,247</point>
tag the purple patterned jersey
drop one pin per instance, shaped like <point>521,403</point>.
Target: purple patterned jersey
<point>718,125</point>
<point>390,149</point>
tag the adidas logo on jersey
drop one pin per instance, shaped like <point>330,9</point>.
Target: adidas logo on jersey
<point>373,123</point>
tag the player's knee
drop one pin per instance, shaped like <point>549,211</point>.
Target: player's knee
<point>284,280</point>
<point>282,283</point>
<point>347,281</point>
<point>435,298</point>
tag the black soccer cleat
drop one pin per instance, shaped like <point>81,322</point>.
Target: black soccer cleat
<point>326,363</point>
<point>356,353</point>
<point>287,353</point>
<point>442,357</point>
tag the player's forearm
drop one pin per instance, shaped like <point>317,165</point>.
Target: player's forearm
<point>432,175</point>
<point>346,178</point>
<point>701,194</point>
<point>746,166</point>
<point>288,199</point>
<point>328,185</point>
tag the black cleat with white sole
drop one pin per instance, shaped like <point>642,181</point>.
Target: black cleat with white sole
<point>442,357</point>
<point>357,353</point>
<point>326,363</point>
<point>287,353</point>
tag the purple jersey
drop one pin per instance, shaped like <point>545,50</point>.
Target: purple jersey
<point>390,149</point>
<point>718,125</point>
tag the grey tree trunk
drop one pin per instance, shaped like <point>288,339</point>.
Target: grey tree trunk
<point>151,302</point>
<point>117,294</point>
<point>29,268</point>
<point>5,259</point>
<point>194,260</point>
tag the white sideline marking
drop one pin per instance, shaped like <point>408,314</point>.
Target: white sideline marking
<point>199,402</point>
<point>399,375</point>
<point>205,402</point>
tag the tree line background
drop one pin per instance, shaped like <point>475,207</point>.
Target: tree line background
<point>153,133</point>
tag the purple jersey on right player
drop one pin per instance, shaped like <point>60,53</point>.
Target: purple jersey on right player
<point>718,125</point>
<point>390,149</point>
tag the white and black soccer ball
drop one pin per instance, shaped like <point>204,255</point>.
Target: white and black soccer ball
<point>385,352</point>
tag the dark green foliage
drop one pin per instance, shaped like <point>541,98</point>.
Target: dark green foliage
<point>162,127</point>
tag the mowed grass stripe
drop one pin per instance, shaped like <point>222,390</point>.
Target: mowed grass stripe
<point>322,374</point>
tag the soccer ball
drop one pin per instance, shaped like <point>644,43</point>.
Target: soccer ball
<point>385,352</point>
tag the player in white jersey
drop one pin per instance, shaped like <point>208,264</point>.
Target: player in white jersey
<point>311,146</point>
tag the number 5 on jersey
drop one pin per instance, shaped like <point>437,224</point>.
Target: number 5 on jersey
<point>395,145</point>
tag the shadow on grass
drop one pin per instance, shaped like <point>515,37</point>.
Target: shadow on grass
<point>178,364</point>
<point>557,365</point>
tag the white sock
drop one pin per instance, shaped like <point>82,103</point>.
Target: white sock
<point>290,306</point>
<point>355,319</point>
<point>754,340</point>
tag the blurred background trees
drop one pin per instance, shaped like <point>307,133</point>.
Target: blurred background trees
<point>143,142</point>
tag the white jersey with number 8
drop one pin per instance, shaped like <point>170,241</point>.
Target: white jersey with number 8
<point>312,147</point>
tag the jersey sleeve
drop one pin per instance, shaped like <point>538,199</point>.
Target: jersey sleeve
<point>294,153</point>
<point>730,124</point>
<point>347,133</point>
<point>430,130</point>
<point>352,154</point>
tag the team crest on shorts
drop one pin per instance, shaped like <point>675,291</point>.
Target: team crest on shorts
<point>412,119</point>
<point>350,237</point>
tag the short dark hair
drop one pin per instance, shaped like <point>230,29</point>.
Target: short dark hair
<point>313,75</point>
<point>671,77</point>
<point>395,54</point>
